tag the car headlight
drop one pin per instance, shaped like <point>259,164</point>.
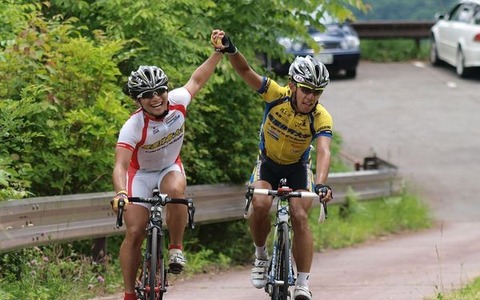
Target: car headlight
<point>350,42</point>
<point>290,45</point>
<point>297,46</point>
<point>285,42</point>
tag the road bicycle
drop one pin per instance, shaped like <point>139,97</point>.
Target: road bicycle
<point>280,274</point>
<point>152,281</point>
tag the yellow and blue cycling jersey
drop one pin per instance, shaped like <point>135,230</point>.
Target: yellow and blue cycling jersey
<point>285,135</point>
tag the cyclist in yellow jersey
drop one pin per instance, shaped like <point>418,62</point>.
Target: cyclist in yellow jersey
<point>293,120</point>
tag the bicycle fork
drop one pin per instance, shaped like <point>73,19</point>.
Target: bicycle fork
<point>274,269</point>
<point>283,216</point>
<point>291,272</point>
<point>149,286</point>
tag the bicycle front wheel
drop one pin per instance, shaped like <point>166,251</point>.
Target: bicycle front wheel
<point>282,265</point>
<point>155,289</point>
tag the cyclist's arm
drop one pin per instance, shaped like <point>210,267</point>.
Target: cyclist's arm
<point>122,161</point>
<point>323,159</point>
<point>201,75</point>
<point>237,60</point>
<point>241,66</point>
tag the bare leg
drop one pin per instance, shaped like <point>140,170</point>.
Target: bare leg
<point>302,248</point>
<point>259,220</point>
<point>136,218</point>
<point>174,185</point>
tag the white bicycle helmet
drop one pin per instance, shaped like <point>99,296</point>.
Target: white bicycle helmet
<point>309,71</point>
<point>146,78</point>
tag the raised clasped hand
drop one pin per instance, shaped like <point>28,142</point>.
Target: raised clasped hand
<point>216,39</point>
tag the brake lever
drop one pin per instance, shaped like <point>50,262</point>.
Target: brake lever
<point>121,207</point>
<point>323,194</point>
<point>325,205</point>
<point>248,201</point>
<point>191,216</point>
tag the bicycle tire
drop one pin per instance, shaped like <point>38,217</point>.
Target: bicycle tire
<point>154,291</point>
<point>282,265</point>
<point>162,272</point>
<point>142,289</point>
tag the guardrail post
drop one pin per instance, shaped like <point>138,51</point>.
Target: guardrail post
<point>417,45</point>
<point>99,250</point>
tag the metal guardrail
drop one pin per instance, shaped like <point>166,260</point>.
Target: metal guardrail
<point>416,30</point>
<point>393,29</point>
<point>43,220</point>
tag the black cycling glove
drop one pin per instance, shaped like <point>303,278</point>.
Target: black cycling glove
<point>229,46</point>
<point>322,190</point>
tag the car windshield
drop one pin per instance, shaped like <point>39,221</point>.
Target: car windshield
<point>331,29</point>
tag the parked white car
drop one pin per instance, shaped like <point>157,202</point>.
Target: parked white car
<point>455,37</point>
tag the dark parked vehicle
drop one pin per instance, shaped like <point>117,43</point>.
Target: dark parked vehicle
<point>339,49</point>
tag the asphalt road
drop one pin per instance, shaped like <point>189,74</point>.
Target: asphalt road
<point>424,120</point>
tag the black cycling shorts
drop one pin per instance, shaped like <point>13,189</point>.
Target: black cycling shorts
<point>299,175</point>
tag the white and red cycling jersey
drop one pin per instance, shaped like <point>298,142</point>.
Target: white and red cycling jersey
<point>156,144</point>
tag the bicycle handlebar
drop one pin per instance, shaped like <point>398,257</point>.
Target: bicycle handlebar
<point>162,200</point>
<point>288,193</point>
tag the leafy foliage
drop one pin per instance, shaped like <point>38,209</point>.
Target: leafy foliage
<point>15,134</point>
<point>75,56</point>
<point>61,104</point>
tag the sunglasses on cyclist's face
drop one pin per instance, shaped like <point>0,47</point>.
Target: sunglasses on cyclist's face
<point>307,90</point>
<point>151,94</point>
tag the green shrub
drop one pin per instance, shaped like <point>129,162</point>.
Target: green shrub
<point>391,50</point>
<point>60,106</point>
<point>51,272</point>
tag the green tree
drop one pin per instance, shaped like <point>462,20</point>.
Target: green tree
<point>77,55</point>
<point>62,89</point>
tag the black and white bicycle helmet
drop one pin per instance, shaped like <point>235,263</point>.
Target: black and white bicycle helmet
<point>146,78</point>
<point>309,71</point>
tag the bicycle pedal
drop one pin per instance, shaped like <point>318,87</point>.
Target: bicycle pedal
<point>175,269</point>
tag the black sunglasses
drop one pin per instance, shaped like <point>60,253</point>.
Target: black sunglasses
<point>308,90</point>
<point>151,94</point>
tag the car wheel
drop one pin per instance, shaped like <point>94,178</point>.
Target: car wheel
<point>434,60</point>
<point>460,68</point>
<point>351,73</point>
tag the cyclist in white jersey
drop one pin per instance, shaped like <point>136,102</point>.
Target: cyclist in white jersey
<point>147,156</point>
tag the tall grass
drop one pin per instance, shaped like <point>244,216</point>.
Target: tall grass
<point>355,222</point>
<point>392,50</point>
<point>54,272</point>
<point>470,292</point>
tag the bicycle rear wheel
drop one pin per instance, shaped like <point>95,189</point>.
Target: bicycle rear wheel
<point>282,265</point>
